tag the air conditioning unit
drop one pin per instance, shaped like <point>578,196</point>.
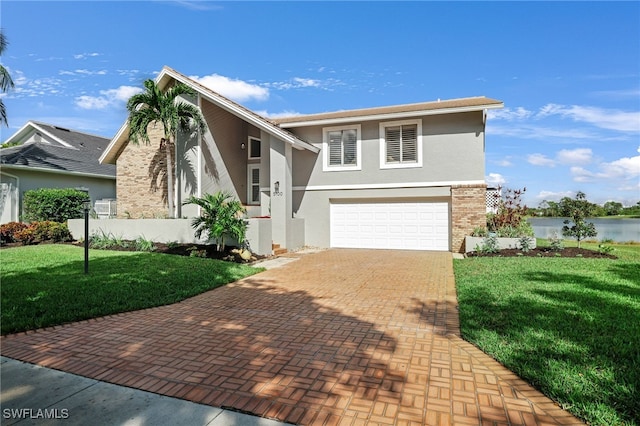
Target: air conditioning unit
<point>105,208</point>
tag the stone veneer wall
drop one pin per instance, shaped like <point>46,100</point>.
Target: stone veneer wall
<point>137,197</point>
<point>468,211</point>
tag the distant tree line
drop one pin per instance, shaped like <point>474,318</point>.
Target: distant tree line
<point>564,207</point>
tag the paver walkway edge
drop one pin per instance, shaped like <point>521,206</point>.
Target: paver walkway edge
<point>340,336</point>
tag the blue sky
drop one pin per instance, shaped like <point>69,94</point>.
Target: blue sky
<point>568,72</point>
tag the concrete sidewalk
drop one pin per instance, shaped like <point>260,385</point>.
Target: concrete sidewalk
<point>34,395</point>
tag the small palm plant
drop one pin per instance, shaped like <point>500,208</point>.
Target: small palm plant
<point>221,217</point>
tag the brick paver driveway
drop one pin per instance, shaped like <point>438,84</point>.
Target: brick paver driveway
<point>337,337</point>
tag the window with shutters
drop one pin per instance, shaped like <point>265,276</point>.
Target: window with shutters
<point>341,148</point>
<point>401,144</point>
<point>253,187</point>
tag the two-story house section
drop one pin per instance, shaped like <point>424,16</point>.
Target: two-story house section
<point>398,177</point>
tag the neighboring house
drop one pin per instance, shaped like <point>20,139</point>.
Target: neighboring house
<point>49,156</point>
<point>403,177</point>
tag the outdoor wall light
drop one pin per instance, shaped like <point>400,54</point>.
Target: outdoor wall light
<point>243,145</point>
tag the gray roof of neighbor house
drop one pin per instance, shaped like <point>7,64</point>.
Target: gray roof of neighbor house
<point>56,150</point>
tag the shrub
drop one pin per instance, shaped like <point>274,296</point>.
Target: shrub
<point>605,248</point>
<point>194,252</point>
<point>489,245</point>
<point>510,218</point>
<point>142,244</point>
<point>52,204</point>
<point>104,241</point>
<point>479,232</point>
<point>38,232</point>
<point>525,244</point>
<point>51,231</point>
<point>8,231</point>
<point>555,242</point>
<point>26,236</point>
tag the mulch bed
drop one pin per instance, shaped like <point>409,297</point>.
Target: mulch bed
<point>546,252</point>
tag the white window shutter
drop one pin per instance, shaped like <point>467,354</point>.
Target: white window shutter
<point>350,146</point>
<point>335,148</point>
<point>255,185</point>
<point>393,139</point>
<point>409,143</point>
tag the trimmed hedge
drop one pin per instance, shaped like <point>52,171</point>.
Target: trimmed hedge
<point>51,204</point>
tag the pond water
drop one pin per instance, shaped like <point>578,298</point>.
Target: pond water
<point>620,230</point>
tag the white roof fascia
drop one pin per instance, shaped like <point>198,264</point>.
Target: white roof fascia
<point>105,154</point>
<point>30,127</point>
<point>19,134</point>
<point>231,107</point>
<point>55,138</point>
<point>389,116</point>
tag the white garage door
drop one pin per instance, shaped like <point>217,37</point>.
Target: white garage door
<point>403,225</point>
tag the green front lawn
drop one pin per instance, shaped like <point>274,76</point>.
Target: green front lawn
<point>45,285</point>
<point>569,326</point>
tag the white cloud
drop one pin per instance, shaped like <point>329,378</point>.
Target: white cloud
<point>600,117</point>
<point>27,87</point>
<point>495,179</point>
<point>267,114</point>
<point>238,90</point>
<point>505,162</point>
<point>528,131</point>
<point>107,98</point>
<point>578,156</point>
<point>508,114</point>
<point>82,72</point>
<point>92,102</point>
<point>622,171</point>
<point>617,94</point>
<point>553,195</point>
<point>574,156</point>
<point>540,160</point>
<point>294,83</point>
<point>85,55</point>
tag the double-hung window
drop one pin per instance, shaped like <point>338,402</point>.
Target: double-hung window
<point>253,171</point>
<point>401,144</point>
<point>341,148</point>
<point>253,188</point>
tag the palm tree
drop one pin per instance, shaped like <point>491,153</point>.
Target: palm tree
<point>221,216</point>
<point>155,106</point>
<point>6,82</point>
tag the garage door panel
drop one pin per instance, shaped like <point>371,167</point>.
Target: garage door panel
<point>416,226</point>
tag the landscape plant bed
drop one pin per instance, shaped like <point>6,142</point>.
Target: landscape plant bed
<point>546,252</point>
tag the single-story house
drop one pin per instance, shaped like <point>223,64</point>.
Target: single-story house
<point>49,156</point>
<point>397,177</point>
